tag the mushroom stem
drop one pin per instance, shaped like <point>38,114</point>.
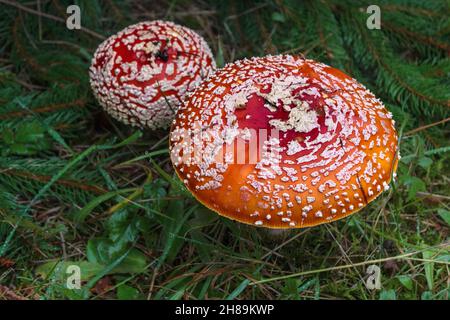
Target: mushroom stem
<point>277,234</point>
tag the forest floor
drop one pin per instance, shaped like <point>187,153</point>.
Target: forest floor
<point>78,188</point>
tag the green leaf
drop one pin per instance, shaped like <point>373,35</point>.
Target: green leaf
<point>122,230</point>
<point>290,287</point>
<point>278,17</point>
<point>82,214</point>
<point>445,215</point>
<point>134,262</point>
<point>406,281</point>
<point>157,191</point>
<point>125,292</point>
<point>203,217</point>
<point>178,294</point>
<point>414,185</point>
<point>444,258</point>
<point>202,244</point>
<point>427,295</point>
<point>388,295</point>
<point>99,251</point>
<point>57,269</point>
<point>429,268</point>
<point>172,230</point>
<point>425,162</point>
<point>220,60</point>
<point>304,286</point>
<point>109,269</point>
<point>121,226</point>
<point>236,292</point>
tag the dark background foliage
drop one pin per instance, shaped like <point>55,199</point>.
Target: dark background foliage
<point>77,187</point>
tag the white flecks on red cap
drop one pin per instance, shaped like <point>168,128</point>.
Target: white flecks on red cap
<point>141,74</point>
<point>330,145</point>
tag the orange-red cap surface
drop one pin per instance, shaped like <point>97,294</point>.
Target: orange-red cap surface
<point>283,142</point>
<point>141,74</point>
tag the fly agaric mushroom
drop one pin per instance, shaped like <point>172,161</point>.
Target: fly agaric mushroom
<point>283,142</point>
<point>141,74</point>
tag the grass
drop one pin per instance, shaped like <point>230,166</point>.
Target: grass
<point>78,188</point>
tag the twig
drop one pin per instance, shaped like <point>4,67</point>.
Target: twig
<point>347,266</point>
<point>48,108</point>
<point>152,283</point>
<point>283,244</point>
<point>432,195</point>
<point>46,178</point>
<point>427,126</point>
<point>246,12</point>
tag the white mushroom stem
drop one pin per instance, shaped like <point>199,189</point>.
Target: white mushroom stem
<point>280,234</point>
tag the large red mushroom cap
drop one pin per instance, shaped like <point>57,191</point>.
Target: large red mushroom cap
<point>283,142</point>
<point>141,74</point>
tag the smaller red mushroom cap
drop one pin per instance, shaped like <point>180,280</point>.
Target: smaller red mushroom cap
<point>141,74</point>
<point>284,142</point>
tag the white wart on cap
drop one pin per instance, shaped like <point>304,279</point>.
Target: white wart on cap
<point>141,74</point>
<point>283,142</point>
